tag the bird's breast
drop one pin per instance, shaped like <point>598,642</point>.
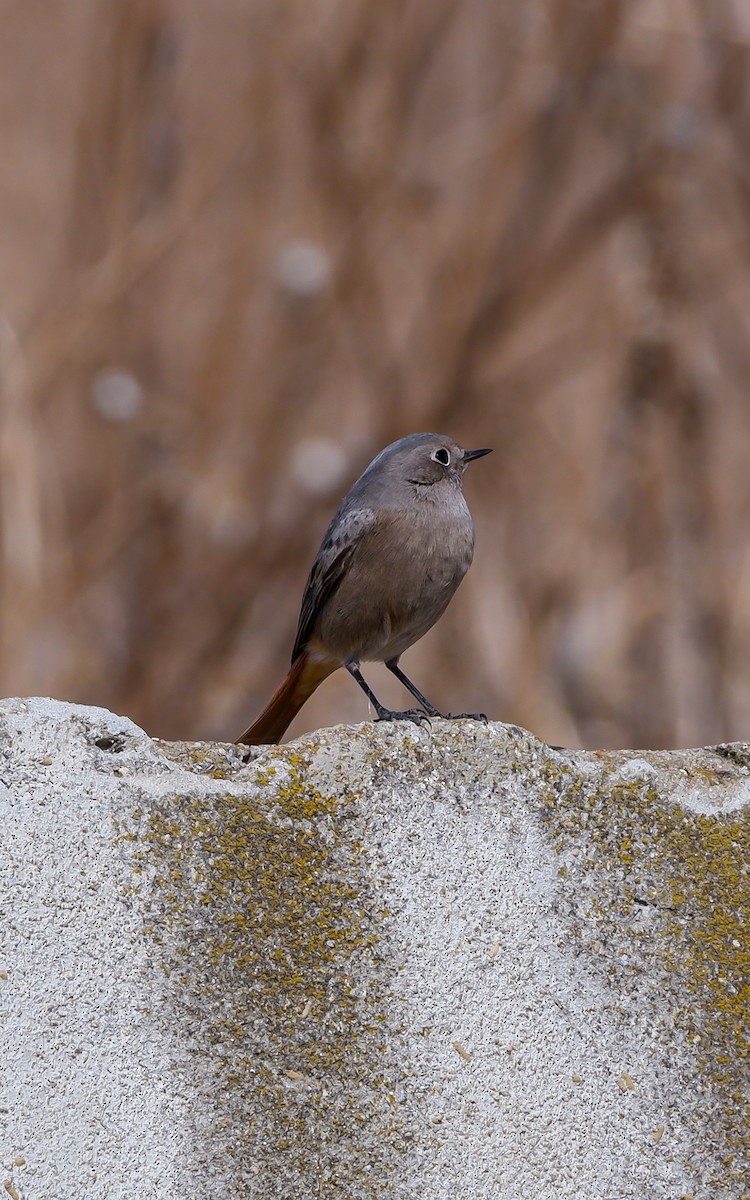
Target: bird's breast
<point>400,580</point>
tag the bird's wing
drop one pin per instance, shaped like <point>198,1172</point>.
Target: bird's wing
<point>341,540</point>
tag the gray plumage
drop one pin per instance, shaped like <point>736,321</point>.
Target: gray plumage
<point>393,555</point>
<point>391,559</point>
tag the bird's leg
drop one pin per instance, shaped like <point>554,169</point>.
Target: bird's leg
<point>384,714</point>
<point>395,669</point>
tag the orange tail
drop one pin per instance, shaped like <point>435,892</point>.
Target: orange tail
<point>287,700</point>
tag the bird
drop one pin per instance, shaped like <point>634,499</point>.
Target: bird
<point>390,561</point>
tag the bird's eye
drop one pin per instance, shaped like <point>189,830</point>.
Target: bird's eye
<point>442,456</point>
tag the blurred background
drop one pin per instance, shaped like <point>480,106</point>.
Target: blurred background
<point>246,244</point>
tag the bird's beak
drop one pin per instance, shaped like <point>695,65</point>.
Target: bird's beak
<point>470,454</point>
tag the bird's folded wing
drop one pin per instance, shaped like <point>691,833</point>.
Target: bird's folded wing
<point>341,540</point>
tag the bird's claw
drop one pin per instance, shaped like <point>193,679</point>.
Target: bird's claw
<point>467,717</point>
<point>417,715</point>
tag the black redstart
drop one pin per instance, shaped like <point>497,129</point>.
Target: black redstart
<point>391,559</point>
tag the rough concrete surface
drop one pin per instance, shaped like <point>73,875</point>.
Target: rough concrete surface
<point>446,963</point>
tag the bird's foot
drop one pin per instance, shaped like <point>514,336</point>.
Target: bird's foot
<point>467,717</point>
<point>417,715</point>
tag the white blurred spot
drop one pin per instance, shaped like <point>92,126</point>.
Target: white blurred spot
<point>303,268</point>
<point>318,464</point>
<point>117,394</point>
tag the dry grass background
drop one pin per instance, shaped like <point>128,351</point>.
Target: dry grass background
<point>245,244</point>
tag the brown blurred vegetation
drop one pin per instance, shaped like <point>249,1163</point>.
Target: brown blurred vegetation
<point>245,244</point>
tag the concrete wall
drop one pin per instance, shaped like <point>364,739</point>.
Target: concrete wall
<point>445,963</point>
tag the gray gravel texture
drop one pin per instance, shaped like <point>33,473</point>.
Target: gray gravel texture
<point>445,963</point>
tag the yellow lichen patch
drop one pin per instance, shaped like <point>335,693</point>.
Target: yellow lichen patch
<point>265,931</point>
<point>667,891</point>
